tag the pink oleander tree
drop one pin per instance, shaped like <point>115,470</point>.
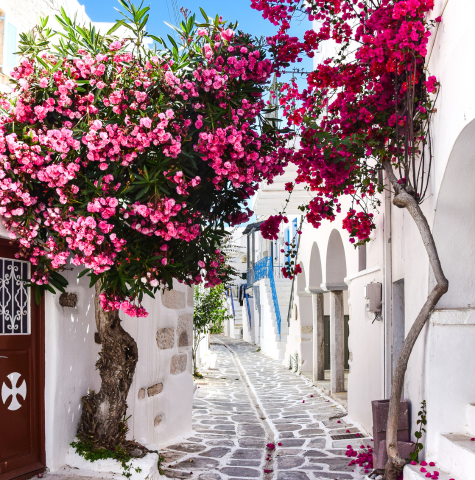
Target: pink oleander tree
<point>365,109</point>
<point>130,163</point>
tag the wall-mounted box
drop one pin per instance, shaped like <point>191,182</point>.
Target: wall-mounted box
<point>373,292</point>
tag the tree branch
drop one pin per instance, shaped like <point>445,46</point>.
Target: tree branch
<point>403,199</point>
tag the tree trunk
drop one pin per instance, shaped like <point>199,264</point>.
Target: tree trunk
<point>403,199</point>
<point>103,416</point>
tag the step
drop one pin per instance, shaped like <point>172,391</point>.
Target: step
<point>456,454</point>
<point>413,472</point>
<point>470,413</point>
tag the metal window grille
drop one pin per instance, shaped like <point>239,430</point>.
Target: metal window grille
<point>14,297</point>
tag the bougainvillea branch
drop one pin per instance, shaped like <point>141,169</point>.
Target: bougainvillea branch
<point>366,108</point>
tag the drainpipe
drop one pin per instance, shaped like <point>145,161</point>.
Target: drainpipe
<point>387,293</point>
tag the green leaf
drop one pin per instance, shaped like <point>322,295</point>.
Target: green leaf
<point>84,272</point>
<point>205,16</point>
<point>172,41</point>
<point>59,278</point>
<point>118,24</point>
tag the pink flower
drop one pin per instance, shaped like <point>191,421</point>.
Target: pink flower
<point>227,34</point>
<point>43,82</point>
<point>114,46</point>
<point>146,122</point>
<point>199,122</point>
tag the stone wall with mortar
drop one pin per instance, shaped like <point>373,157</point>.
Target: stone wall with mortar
<point>160,399</point>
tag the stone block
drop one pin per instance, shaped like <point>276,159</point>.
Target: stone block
<point>190,300</point>
<point>178,364</point>
<point>141,394</point>
<point>68,299</point>
<point>157,420</point>
<point>184,330</point>
<point>380,419</point>
<point>166,338</point>
<point>381,412</point>
<point>155,389</point>
<point>173,299</point>
<point>380,460</point>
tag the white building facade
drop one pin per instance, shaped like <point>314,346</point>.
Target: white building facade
<point>342,284</point>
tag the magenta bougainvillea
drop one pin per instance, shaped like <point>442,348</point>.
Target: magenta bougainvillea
<point>130,162</point>
<point>368,101</point>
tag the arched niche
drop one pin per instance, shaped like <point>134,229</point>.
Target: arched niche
<point>454,223</point>
<point>301,279</point>
<point>336,260</point>
<point>315,278</point>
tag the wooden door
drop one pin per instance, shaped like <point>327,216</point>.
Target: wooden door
<point>22,451</point>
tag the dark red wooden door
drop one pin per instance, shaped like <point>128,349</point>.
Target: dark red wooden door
<point>22,450</point>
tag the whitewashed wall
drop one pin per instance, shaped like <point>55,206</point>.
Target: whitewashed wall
<point>160,398</point>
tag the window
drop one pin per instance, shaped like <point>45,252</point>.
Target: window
<point>287,239</point>
<point>14,298</point>
<point>9,39</point>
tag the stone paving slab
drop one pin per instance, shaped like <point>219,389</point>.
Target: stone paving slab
<point>250,400</point>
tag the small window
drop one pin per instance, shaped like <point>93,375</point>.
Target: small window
<point>14,297</point>
<point>361,257</point>
<point>9,34</point>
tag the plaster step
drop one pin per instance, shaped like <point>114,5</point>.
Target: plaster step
<point>413,472</point>
<point>456,454</point>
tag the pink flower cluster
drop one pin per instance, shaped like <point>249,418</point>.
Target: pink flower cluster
<point>363,458</point>
<point>116,164</point>
<point>270,227</point>
<point>359,225</point>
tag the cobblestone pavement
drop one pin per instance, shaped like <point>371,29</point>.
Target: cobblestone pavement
<point>249,401</point>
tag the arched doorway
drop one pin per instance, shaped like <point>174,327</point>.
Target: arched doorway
<point>337,331</point>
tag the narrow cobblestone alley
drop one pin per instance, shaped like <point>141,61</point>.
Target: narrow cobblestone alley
<point>249,401</point>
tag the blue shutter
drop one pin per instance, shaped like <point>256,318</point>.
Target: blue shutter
<point>294,231</point>
<point>10,48</point>
<point>287,239</point>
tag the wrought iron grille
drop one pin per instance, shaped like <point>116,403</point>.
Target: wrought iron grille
<point>347,436</point>
<point>14,297</point>
<point>262,269</point>
<point>274,293</point>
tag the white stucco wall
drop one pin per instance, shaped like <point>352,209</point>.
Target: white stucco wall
<point>71,354</point>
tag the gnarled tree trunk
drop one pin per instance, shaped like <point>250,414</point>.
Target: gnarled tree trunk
<point>403,199</point>
<point>103,415</point>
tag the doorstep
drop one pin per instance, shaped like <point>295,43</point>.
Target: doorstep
<point>413,472</point>
<point>77,466</point>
